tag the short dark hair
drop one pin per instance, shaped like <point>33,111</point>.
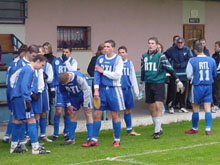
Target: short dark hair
<point>154,39</point>
<point>33,49</point>
<point>176,36</point>
<point>68,47</point>
<point>217,43</point>
<point>202,39</point>
<point>198,47</point>
<point>63,77</point>
<point>124,48</point>
<point>40,58</point>
<point>111,42</point>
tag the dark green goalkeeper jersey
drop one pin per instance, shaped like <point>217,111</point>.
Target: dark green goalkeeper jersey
<point>154,67</point>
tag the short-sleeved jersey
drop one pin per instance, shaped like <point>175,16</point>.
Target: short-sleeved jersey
<point>59,66</point>
<point>154,66</point>
<point>77,87</point>
<point>112,71</point>
<point>201,70</point>
<point>128,78</point>
<point>22,82</point>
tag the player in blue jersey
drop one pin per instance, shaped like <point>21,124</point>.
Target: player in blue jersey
<point>22,85</point>
<point>47,75</point>
<point>201,70</point>
<point>128,81</point>
<point>107,87</point>
<point>61,64</point>
<point>76,92</point>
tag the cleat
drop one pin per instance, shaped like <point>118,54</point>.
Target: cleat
<point>40,150</point>
<point>21,148</point>
<point>116,144</point>
<point>67,142</point>
<point>161,132</point>
<point>87,144</point>
<point>90,143</point>
<point>66,136</point>
<point>46,139</point>
<point>191,131</point>
<point>156,135</point>
<point>5,140</point>
<point>208,132</point>
<point>133,133</point>
<point>171,110</point>
<point>54,138</point>
<point>183,110</point>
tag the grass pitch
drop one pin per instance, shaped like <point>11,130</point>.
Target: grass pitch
<point>174,147</point>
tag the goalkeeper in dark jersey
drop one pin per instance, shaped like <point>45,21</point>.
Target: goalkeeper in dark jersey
<point>154,66</point>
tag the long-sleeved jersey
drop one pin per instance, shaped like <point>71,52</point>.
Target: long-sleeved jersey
<point>216,57</point>
<point>154,67</point>
<point>22,82</point>
<point>128,78</point>
<point>201,70</point>
<point>59,66</point>
<point>49,71</point>
<point>78,86</point>
<point>112,71</point>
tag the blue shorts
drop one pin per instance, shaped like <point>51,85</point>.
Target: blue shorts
<point>77,102</point>
<point>59,102</point>
<point>18,108</point>
<point>111,98</point>
<point>45,100</point>
<point>128,98</point>
<point>201,94</point>
<point>37,105</point>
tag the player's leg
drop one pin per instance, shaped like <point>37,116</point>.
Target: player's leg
<point>8,130</point>
<point>67,119</point>
<point>89,124</point>
<point>116,127</point>
<point>208,118</point>
<point>15,136</point>
<point>57,122</point>
<point>96,125</point>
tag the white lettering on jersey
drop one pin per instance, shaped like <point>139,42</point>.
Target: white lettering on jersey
<point>126,71</point>
<point>150,66</point>
<point>107,67</point>
<point>203,65</point>
<point>73,89</point>
<point>62,69</point>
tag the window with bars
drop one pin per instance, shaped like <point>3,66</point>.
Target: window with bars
<point>12,11</point>
<point>79,38</point>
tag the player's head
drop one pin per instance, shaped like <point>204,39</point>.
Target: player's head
<point>67,51</point>
<point>38,61</point>
<point>48,48</point>
<point>22,51</point>
<point>160,47</point>
<point>100,49</point>
<point>175,39</point>
<point>152,44</point>
<point>33,51</point>
<point>217,46</point>
<point>180,42</point>
<point>109,47</point>
<point>203,42</point>
<point>41,50</point>
<point>198,49</point>
<point>122,51</point>
<point>65,77</point>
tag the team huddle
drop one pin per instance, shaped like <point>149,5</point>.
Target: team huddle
<point>33,74</point>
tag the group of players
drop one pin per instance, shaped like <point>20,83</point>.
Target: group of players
<point>114,79</point>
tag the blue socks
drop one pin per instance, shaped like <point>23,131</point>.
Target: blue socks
<point>89,127</point>
<point>66,125</point>
<point>43,124</point>
<point>96,128</point>
<point>117,130</point>
<point>22,132</point>
<point>208,121</point>
<point>16,132</point>
<point>9,127</point>
<point>72,127</point>
<point>32,132</point>
<point>195,120</point>
<point>127,118</point>
<point>56,125</point>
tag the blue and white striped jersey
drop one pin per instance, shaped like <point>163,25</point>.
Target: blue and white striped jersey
<point>59,66</point>
<point>201,69</point>
<point>128,78</point>
<point>112,71</point>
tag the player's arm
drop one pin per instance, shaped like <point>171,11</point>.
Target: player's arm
<point>189,70</point>
<point>96,81</point>
<point>26,85</point>
<point>133,80</point>
<point>71,66</point>
<point>49,72</point>
<point>214,72</point>
<point>86,90</point>
<point>116,74</point>
<point>41,83</point>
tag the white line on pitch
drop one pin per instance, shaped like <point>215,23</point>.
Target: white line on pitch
<point>117,158</point>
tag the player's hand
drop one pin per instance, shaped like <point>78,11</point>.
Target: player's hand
<point>96,93</point>
<point>99,69</point>
<point>141,87</point>
<point>27,105</point>
<point>64,57</point>
<point>45,75</point>
<point>35,97</point>
<point>180,87</point>
<point>87,109</point>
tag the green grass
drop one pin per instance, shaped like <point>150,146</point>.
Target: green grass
<point>172,148</point>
